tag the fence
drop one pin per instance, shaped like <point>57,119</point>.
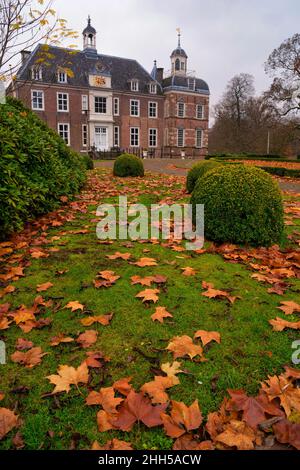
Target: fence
<point>163,152</point>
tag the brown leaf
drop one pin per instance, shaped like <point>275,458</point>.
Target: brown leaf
<point>187,442</point>
<point>44,287</point>
<point>74,306</point>
<point>8,421</point>
<point>7,290</point>
<point>182,346</point>
<point>213,293</point>
<point>137,407</point>
<point>187,271</point>
<point>109,276</point>
<point>144,262</point>
<point>61,338</point>
<point>118,255</point>
<point>144,281</point>
<point>289,307</point>
<point>279,324</point>
<point>149,295</point>
<point>123,386</point>
<point>102,319</point>
<point>67,376</point>
<point>287,433</point>
<point>160,314</point>
<point>208,336</point>
<point>182,418</point>
<point>157,389</point>
<point>87,338</point>
<point>106,398</point>
<point>281,388</point>
<point>23,344</point>
<point>237,434</point>
<point>114,444</point>
<point>172,370</point>
<point>29,359</point>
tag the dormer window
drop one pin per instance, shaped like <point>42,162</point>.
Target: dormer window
<point>153,88</point>
<point>134,85</point>
<point>62,77</point>
<point>191,84</point>
<point>36,73</point>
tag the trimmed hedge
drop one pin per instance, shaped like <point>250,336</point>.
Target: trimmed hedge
<point>277,171</point>
<point>88,161</point>
<point>246,156</point>
<point>197,171</point>
<point>128,165</point>
<point>242,205</point>
<point>36,167</point>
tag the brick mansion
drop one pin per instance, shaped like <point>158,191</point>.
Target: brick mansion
<point>99,101</point>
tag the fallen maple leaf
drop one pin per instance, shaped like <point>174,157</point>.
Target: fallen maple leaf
<point>279,324</point>
<point>8,421</point>
<point>160,314</point>
<point>87,338</point>
<point>144,262</point>
<point>118,255</point>
<point>7,290</point>
<point>213,293</point>
<point>23,344</point>
<point>283,389</point>
<point>144,281</point>
<point>148,295</point>
<point>287,433</point>
<point>182,346</point>
<point>172,370</point>
<point>74,306</point>
<point>157,389</point>
<point>106,398</point>
<point>61,338</point>
<point>187,271</point>
<point>44,287</point>
<point>67,376</point>
<point>237,434</point>
<point>187,442</point>
<point>182,418</point>
<point>208,336</point>
<point>102,319</point>
<point>123,386</point>
<point>289,307</point>
<point>137,407</point>
<point>109,276</point>
<point>29,359</point>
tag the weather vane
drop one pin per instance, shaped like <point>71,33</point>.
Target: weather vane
<point>179,35</point>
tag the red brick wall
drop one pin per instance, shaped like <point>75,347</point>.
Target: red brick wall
<point>125,121</point>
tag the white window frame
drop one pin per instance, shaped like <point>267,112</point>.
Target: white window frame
<point>84,102</point>
<point>116,106</point>
<point>37,73</point>
<point>84,135</point>
<point>43,100</point>
<point>149,109</point>
<point>62,77</point>
<point>199,146</point>
<point>200,115</point>
<point>180,129</point>
<point>191,84</point>
<point>153,88</point>
<point>151,137</point>
<point>179,104</point>
<point>116,136</point>
<point>62,101</point>
<point>136,134</point>
<point>134,85</point>
<point>68,143</point>
<point>134,106</point>
<point>103,98</point>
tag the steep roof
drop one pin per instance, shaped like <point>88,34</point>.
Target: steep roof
<point>179,52</point>
<point>83,63</point>
<point>181,83</point>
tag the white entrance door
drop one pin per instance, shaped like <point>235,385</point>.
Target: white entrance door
<point>101,138</point>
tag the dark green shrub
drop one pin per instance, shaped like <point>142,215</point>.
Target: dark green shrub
<point>197,171</point>
<point>279,171</point>
<point>242,205</point>
<point>128,165</point>
<point>245,156</point>
<point>88,161</point>
<point>36,167</point>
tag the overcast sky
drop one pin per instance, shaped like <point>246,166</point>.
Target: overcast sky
<point>221,37</point>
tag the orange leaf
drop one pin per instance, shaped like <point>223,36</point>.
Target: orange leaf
<point>148,295</point>
<point>160,314</point>
<point>208,336</point>
<point>187,271</point>
<point>87,338</point>
<point>289,307</point>
<point>44,287</point>
<point>144,262</point>
<point>157,389</point>
<point>68,376</point>
<point>279,324</point>
<point>182,346</point>
<point>105,398</point>
<point>61,338</point>
<point>8,421</point>
<point>74,306</point>
<point>29,359</point>
<point>102,319</point>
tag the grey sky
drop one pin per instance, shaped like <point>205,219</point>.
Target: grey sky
<point>221,37</point>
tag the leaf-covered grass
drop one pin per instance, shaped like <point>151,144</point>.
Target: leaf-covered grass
<point>248,352</point>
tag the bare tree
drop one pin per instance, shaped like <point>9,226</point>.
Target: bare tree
<point>23,25</point>
<point>284,66</point>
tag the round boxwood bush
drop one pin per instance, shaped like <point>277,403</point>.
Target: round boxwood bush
<point>128,165</point>
<point>242,205</point>
<point>197,171</point>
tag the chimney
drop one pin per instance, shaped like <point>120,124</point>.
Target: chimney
<point>24,56</point>
<point>160,74</point>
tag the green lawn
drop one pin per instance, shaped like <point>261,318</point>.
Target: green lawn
<point>248,353</point>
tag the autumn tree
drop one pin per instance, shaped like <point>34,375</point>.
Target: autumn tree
<point>23,25</point>
<point>284,66</point>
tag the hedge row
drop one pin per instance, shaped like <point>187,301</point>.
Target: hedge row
<point>281,171</point>
<point>246,156</point>
<point>36,167</point>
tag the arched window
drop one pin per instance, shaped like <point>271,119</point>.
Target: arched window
<point>177,64</point>
<point>91,37</point>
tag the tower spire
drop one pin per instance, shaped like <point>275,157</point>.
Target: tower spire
<point>179,36</point>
